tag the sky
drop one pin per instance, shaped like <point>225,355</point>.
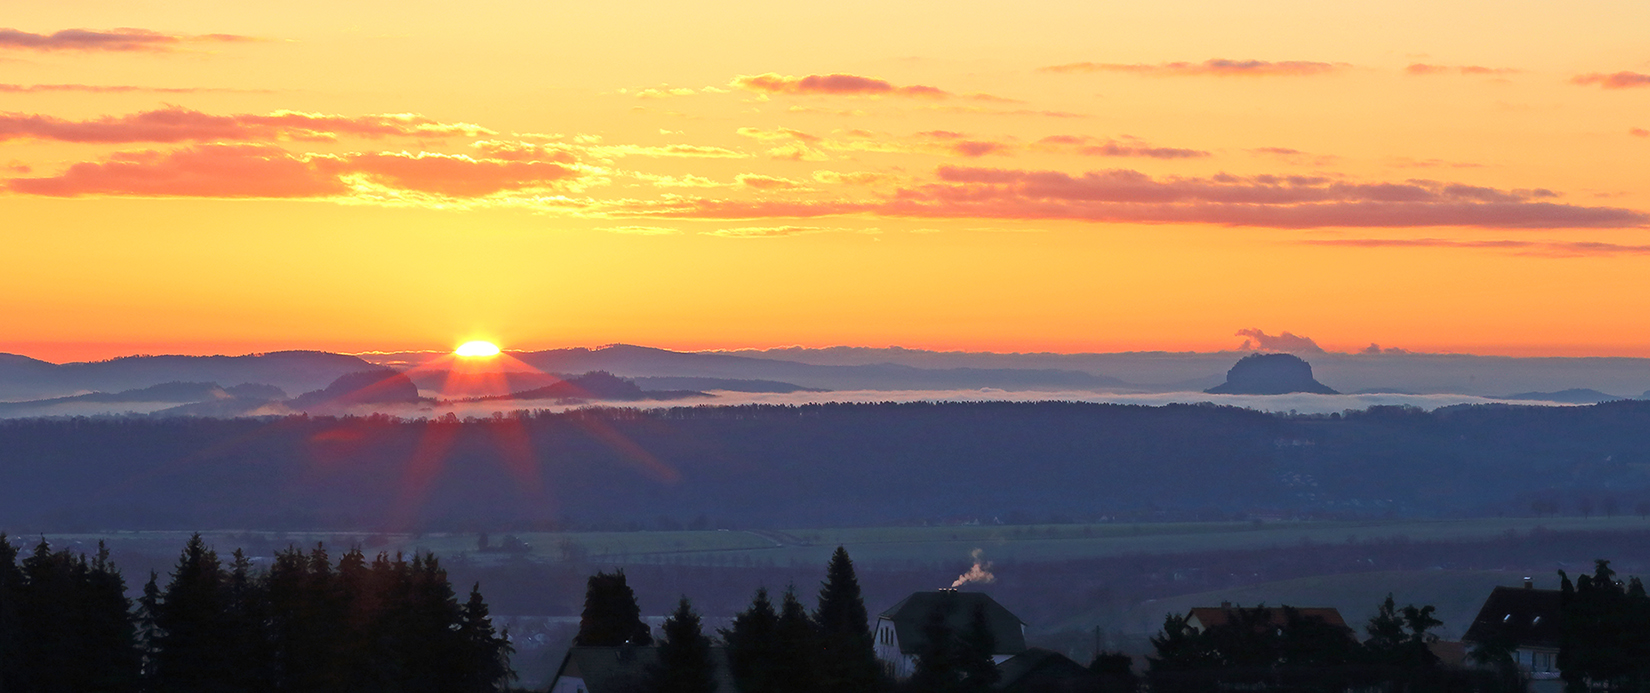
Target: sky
<point>208,177</point>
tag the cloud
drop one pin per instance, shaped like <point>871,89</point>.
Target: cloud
<point>446,174</point>
<point>772,231</point>
<point>1258,340</point>
<point>641,230</point>
<point>1423,69</point>
<point>177,124</point>
<point>1540,248</point>
<point>761,182</point>
<point>1126,196</point>
<point>252,170</point>
<point>845,85</point>
<point>852,177</point>
<point>116,89</point>
<point>680,151</point>
<point>1124,147</point>
<point>980,110</point>
<point>1638,132</point>
<point>216,170</point>
<point>116,40</point>
<point>1619,80</point>
<point>1216,67</point>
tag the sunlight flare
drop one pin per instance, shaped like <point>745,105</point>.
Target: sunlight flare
<point>477,349</point>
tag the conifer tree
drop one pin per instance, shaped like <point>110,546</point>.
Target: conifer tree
<point>847,660</point>
<point>685,664</point>
<point>979,644</point>
<point>246,614</point>
<point>796,642</point>
<point>611,616</point>
<point>189,654</point>
<point>938,657</point>
<point>487,651</point>
<point>752,641</point>
<point>148,632</point>
<point>11,627</point>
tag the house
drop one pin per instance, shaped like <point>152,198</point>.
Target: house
<point>1202,618</point>
<point>621,670</point>
<point>1525,620</point>
<point>1037,670</point>
<point>899,630</point>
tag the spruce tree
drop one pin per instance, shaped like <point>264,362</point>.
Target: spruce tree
<point>148,632</point>
<point>753,646</point>
<point>979,644</point>
<point>246,615</point>
<point>11,626</point>
<point>847,659</point>
<point>796,642</point>
<point>611,616</point>
<point>685,664</point>
<point>939,655</point>
<point>487,665</point>
<point>189,656</point>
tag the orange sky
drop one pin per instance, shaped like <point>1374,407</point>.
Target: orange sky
<point>194,177</point>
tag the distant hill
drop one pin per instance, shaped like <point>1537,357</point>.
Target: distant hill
<point>1270,374</point>
<point>248,395</point>
<point>827,465</point>
<point>725,384</point>
<point>23,378</point>
<point>1571,396</point>
<point>595,385</point>
<point>635,361</point>
<point>377,386</point>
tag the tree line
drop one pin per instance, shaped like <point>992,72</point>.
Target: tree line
<point>305,624</point>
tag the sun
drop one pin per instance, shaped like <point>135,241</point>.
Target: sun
<point>473,350</point>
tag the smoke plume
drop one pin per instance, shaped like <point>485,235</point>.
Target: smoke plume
<point>981,572</point>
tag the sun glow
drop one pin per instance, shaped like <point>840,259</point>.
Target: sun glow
<point>476,350</point>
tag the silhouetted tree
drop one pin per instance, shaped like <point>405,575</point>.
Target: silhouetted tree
<point>1116,672</point>
<point>797,645</point>
<point>190,625</point>
<point>487,651</point>
<point>1400,637</point>
<point>611,616</point>
<point>1606,640</point>
<point>753,646</point>
<point>938,657</point>
<point>685,664</point>
<point>847,660</point>
<point>979,671</point>
<point>11,625</point>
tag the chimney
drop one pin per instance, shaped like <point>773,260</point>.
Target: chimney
<point>948,589</point>
<point>1528,583</point>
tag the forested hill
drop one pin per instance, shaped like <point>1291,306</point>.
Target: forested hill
<point>840,464</point>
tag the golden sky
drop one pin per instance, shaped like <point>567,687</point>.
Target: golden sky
<point>210,177</point>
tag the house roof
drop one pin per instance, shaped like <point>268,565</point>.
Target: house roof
<point>1213,616</point>
<point>624,669</point>
<point>1524,616</point>
<point>1037,668</point>
<point>912,613</point>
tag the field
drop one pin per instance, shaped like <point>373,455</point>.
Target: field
<point>888,547</point>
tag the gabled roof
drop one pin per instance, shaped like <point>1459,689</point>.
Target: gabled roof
<point>1526,617</point>
<point>912,613</point>
<point>1039,669</point>
<point>1213,616</point>
<point>624,669</point>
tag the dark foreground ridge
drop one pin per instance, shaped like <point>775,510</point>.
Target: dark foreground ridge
<point>1270,374</point>
<point>821,465</point>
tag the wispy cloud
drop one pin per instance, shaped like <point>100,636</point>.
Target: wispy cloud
<point>847,85</point>
<point>255,170</point>
<point>775,231</point>
<point>117,89</point>
<point>1125,146</point>
<point>1124,196</point>
<point>116,40</point>
<point>1424,69</point>
<point>1218,67</point>
<point>1618,80</point>
<point>177,124</point>
<point>1541,248</point>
